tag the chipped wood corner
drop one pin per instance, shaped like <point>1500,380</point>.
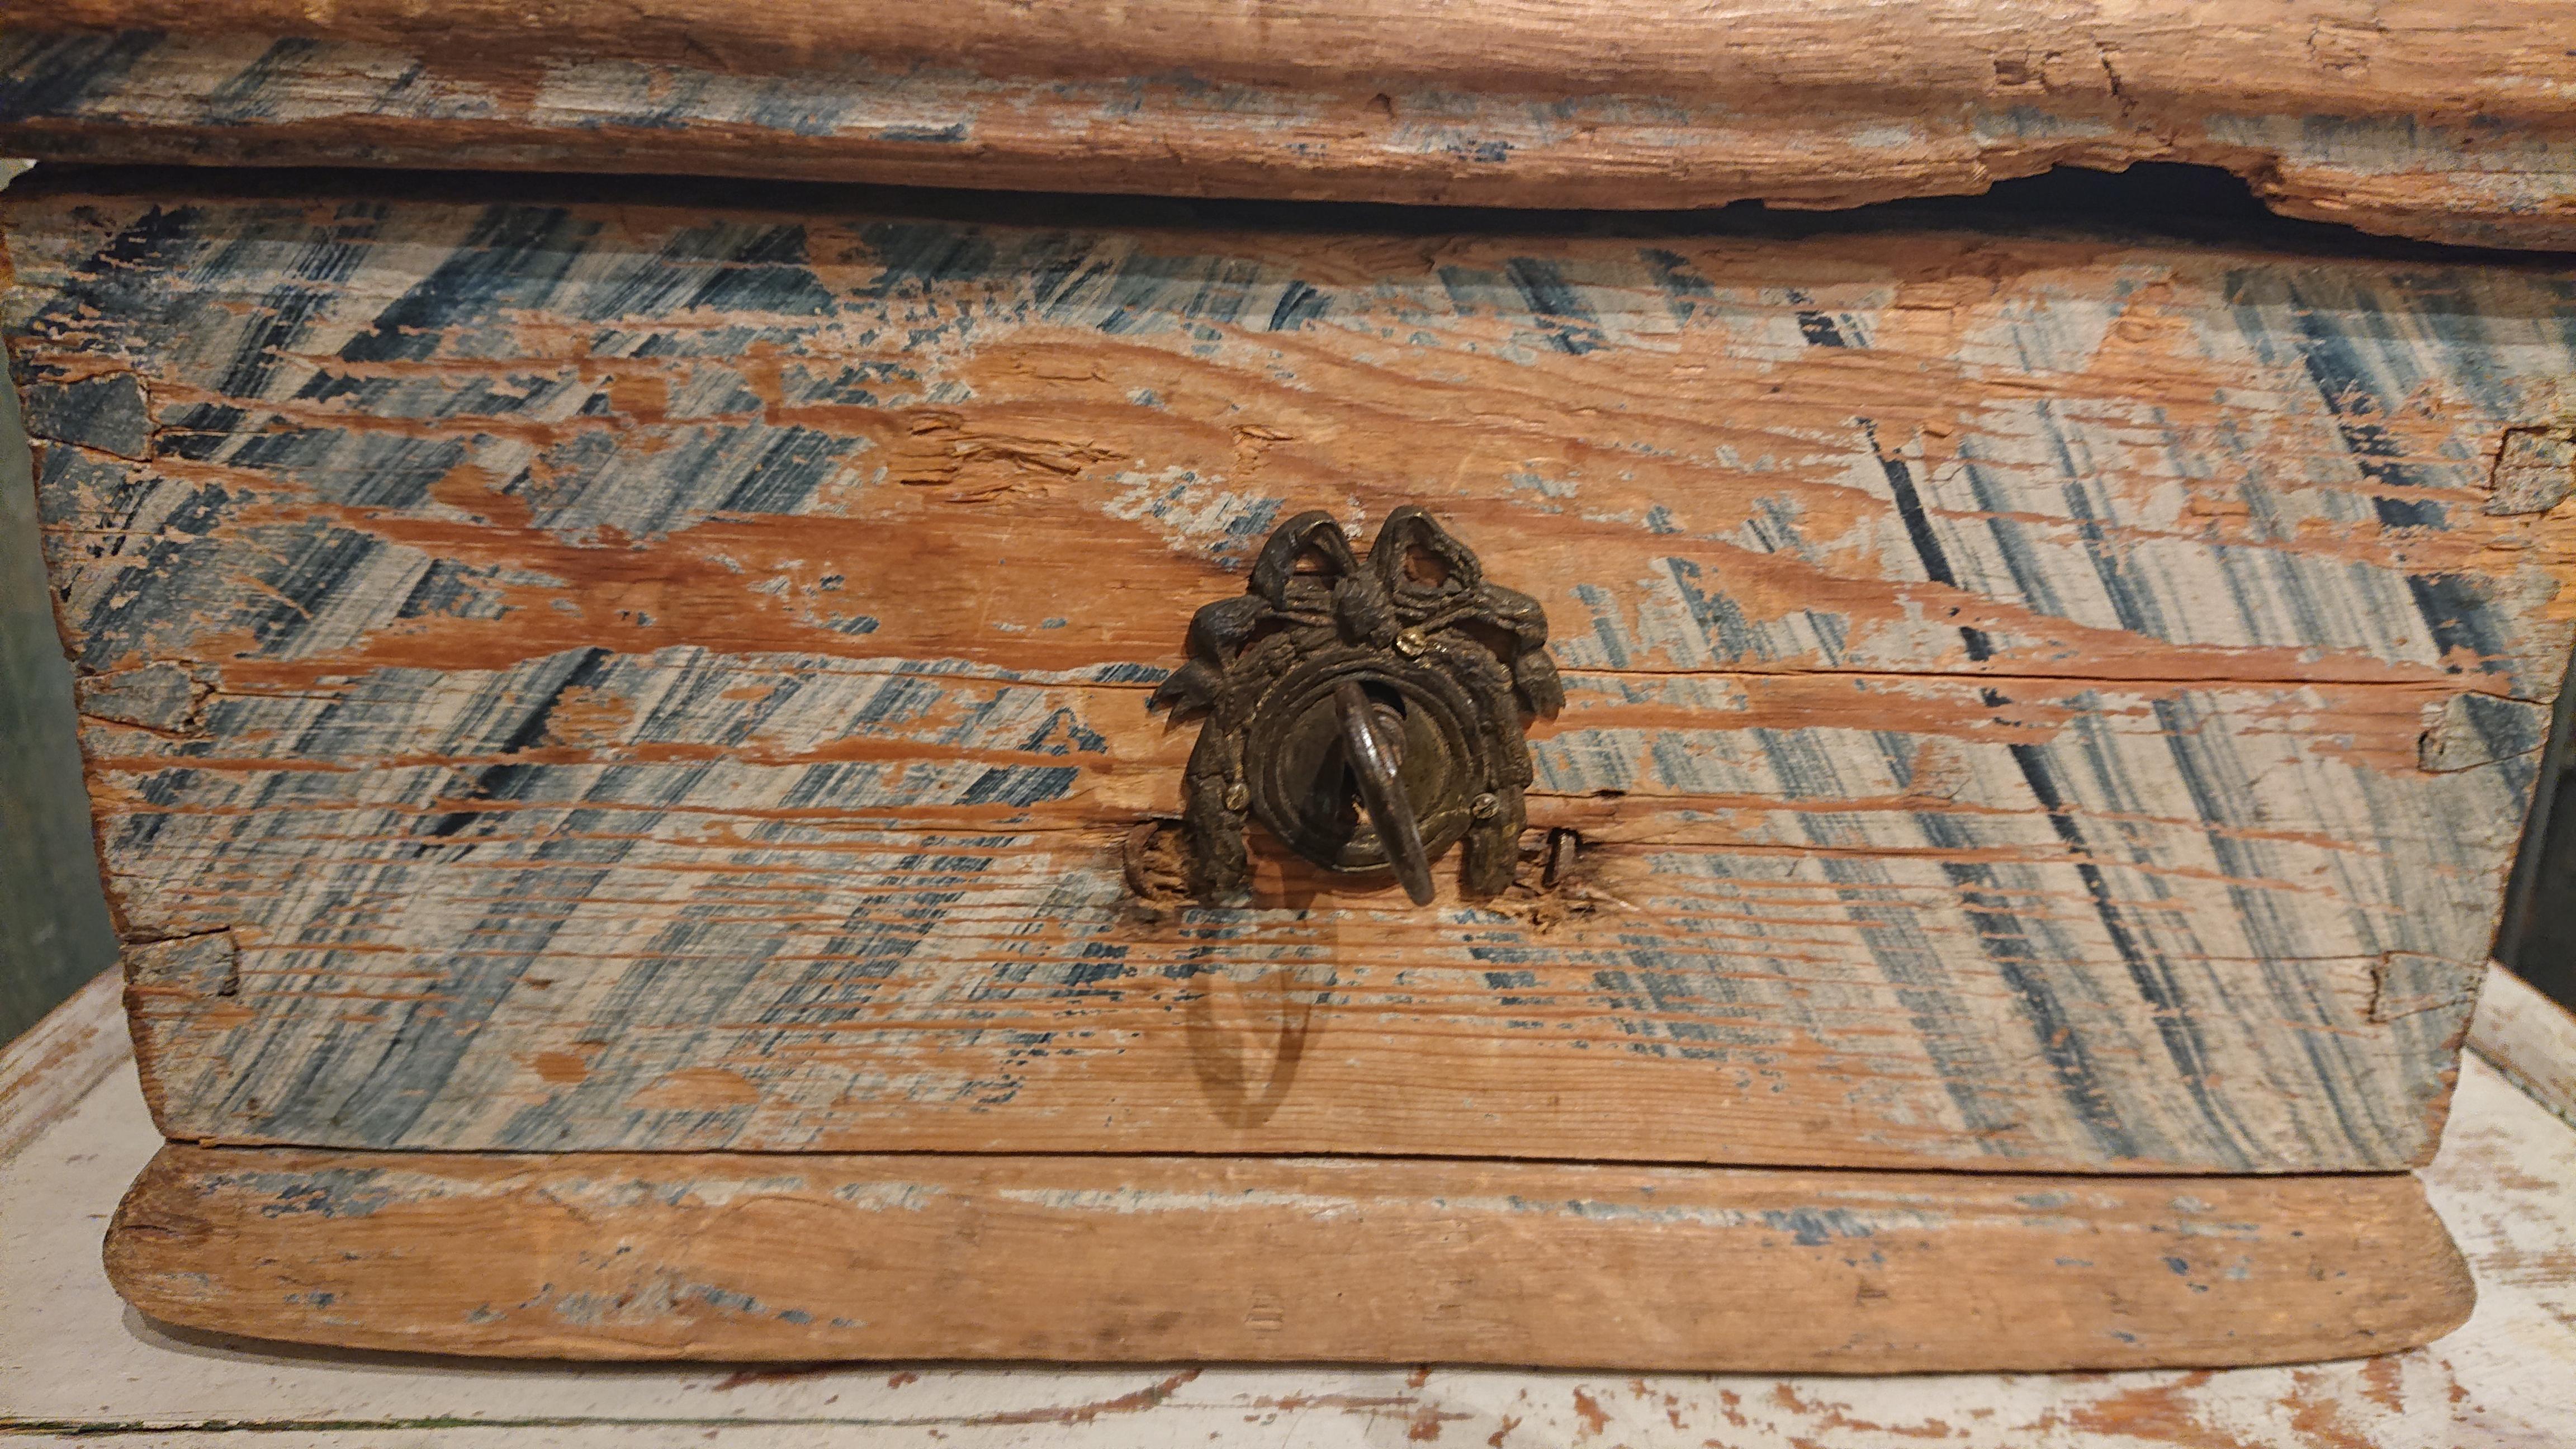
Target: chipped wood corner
<point>2404,985</point>
<point>2439,999</point>
<point>165,699</point>
<point>2535,469</point>
<point>2473,731</point>
<point>190,978</point>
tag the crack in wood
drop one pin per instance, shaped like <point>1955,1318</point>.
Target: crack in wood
<point>591,743</point>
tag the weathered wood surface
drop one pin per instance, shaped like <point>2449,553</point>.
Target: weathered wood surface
<point>1150,1259</point>
<point>595,677</point>
<point>47,1070</point>
<point>83,1368</point>
<point>2446,119</point>
<point>2529,1038</point>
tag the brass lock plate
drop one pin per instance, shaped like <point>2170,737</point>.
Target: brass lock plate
<point>1368,714</point>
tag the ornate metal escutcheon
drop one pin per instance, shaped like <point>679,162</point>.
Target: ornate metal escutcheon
<point>1367,713</point>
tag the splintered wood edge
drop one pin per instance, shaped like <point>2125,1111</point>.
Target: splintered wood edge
<point>1141,1259</point>
<point>2420,118</point>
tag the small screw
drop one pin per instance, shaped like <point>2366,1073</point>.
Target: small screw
<point>1485,807</point>
<point>1237,795</point>
<point>1411,643</point>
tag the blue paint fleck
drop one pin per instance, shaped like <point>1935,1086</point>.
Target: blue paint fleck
<point>1811,1228</point>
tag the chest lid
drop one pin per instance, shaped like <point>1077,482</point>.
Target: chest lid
<point>2448,120</point>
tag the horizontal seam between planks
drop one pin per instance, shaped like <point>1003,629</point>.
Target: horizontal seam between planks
<point>1066,678</point>
<point>1980,1167</point>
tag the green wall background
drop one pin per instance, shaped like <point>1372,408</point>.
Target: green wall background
<point>54,932</point>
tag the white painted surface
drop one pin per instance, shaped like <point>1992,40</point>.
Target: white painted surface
<point>2528,1037</point>
<point>48,1071</point>
<point>74,1360</point>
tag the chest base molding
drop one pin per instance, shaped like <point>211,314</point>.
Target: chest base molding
<point>1107,1258</point>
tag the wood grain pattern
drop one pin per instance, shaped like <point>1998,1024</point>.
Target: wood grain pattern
<point>2444,119</point>
<point>582,676</point>
<point>1147,1259</point>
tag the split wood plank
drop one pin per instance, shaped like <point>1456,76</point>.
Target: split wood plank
<point>587,676</point>
<point>2444,119</point>
<point>1152,1259</point>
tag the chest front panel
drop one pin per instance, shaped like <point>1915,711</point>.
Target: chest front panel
<point>590,677</point>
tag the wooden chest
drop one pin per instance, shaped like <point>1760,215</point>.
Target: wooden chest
<point>622,715</point>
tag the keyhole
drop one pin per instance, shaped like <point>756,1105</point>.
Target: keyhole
<point>1370,731</point>
<point>1336,797</point>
